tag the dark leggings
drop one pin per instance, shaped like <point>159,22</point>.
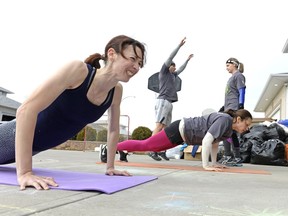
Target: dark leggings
<point>173,133</point>
<point>7,142</point>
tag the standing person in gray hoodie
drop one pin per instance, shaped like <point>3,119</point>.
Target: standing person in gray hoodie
<point>167,95</point>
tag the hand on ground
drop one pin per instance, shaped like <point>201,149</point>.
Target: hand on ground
<point>112,172</point>
<point>218,165</point>
<point>38,182</point>
<point>212,168</point>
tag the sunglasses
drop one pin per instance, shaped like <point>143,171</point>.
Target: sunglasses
<point>231,62</point>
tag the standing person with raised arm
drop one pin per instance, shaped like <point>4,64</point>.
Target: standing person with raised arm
<point>167,95</point>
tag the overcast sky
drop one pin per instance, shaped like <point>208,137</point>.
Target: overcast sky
<point>39,36</point>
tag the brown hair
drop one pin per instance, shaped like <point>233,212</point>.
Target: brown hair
<point>238,64</point>
<point>118,43</point>
<point>242,113</point>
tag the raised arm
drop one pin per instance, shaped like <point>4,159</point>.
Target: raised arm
<point>182,67</point>
<point>174,52</point>
<point>69,76</point>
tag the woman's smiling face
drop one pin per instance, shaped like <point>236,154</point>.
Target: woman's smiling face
<point>129,65</point>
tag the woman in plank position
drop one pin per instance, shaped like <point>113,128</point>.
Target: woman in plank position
<point>78,94</point>
<point>207,130</point>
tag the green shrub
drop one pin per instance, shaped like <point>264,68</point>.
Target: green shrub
<point>141,133</point>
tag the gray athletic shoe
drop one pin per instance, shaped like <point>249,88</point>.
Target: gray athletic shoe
<point>235,162</point>
<point>225,159</point>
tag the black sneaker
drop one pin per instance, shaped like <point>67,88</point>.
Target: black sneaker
<point>123,156</point>
<point>163,155</point>
<point>155,156</point>
<point>103,153</point>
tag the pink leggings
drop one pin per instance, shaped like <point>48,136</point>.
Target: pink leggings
<point>155,143</point>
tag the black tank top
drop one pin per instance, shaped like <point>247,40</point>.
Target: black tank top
<point>68,114</point>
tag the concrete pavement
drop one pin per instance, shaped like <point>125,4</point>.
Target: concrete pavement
<point>175,192</point>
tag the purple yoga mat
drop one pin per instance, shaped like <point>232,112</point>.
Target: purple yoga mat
<point>79,181</point>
